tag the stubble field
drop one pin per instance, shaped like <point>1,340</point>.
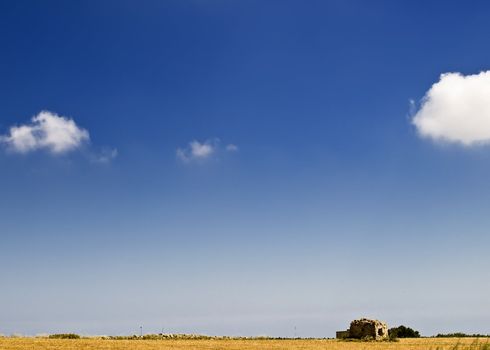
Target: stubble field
<point>241,344</point>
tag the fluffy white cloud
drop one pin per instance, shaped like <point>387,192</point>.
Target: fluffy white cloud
<point>456,109</point>
<point>197,150</point>
<point>48,131</point>
<point>200,151</point>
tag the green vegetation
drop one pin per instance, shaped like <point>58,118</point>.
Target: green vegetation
<point>403,332</point>
<point>462,335</point>
<point>64,336</point>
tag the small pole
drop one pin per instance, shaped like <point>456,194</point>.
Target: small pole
<point>141,331</point>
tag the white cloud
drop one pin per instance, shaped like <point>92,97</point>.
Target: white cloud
<point>200,151</point>
<point>197,150</point>
<point>48,131</point>
<point>456,109</point>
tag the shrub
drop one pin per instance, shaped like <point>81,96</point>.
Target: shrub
<point>64,336</point>
<point>392,336</point>
<point>403,332</point>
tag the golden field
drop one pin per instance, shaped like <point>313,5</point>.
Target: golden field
<point>241,344</point>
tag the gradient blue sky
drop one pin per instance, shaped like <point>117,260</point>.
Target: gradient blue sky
<point>332,208</point>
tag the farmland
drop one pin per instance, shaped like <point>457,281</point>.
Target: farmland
<point>7,343</point>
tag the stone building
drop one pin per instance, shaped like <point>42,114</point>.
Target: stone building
<point>365,329</point>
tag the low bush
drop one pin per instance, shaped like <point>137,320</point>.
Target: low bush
<point>64,336</point>
<point>403,332</point>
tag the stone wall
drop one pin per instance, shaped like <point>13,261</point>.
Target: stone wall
<point>342,334</point>
<point>366,328</point>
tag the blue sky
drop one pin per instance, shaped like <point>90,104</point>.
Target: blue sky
<point>243,167</point>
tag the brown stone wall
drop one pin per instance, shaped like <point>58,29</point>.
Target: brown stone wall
<point>365,328</point>
<point>342,334</point>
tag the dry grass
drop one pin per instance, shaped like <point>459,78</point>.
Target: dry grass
<point>230,344</point>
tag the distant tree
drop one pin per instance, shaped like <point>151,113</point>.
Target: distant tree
<point>462,335</point>
<point>403,332</point>
<point>453,335</point>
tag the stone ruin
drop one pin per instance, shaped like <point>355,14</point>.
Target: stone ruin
<point>365,329</point>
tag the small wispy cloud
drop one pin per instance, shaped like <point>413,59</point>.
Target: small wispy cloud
<point>231,148</point>
<point>197,151</point>
<point>104,156</point>
<point>456,109</point>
